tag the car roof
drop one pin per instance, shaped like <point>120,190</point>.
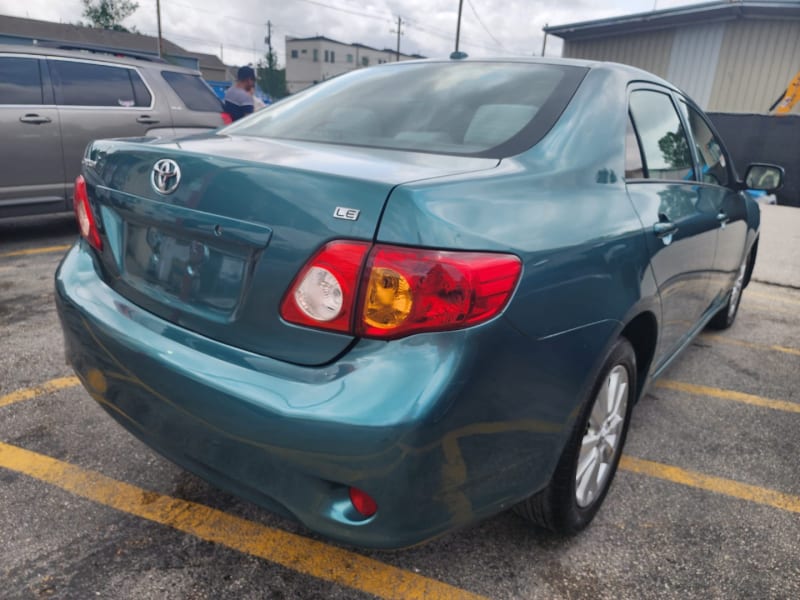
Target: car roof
<point>94,53</point>
<point>633,73</point>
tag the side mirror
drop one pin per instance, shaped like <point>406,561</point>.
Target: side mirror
<point>760,176</point>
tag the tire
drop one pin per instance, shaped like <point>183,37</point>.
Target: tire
<point>727,315</point>
<point>572,498</point>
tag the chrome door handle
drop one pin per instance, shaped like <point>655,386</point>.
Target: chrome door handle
<point>34,119</point>
<point>722,217</point>
<point>147,119</point>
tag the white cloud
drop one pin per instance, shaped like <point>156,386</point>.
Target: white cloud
<point>236,29</point>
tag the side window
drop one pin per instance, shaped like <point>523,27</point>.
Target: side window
<point>87,84</point>
<point>194,92</point>
<point>665,148</point>
<point>20,81</point>
<point>713,165</point>
<point>634,165</point>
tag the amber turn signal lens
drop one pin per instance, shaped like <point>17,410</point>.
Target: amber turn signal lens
<point>389,299</point>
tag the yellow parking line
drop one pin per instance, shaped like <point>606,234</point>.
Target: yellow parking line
<point>762,306</point>
<point>45,388</point>
<point>703,390</point>
<point>732,342</point>
<point>292,551</point>
<point>31,251</point>
<point>774,297</point>
<point>718,485</point>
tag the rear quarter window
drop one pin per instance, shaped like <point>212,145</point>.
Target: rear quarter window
<point>193,91</point>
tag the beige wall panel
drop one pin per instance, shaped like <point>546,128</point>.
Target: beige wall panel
<point>757,60</point>
<point>649,51</point>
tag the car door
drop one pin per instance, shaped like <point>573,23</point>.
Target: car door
<point>715,176</point>
<point>32,168</point>
<point>101,100</point>
<point>681,227</point>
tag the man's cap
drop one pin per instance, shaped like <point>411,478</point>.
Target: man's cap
<point>245,73</point>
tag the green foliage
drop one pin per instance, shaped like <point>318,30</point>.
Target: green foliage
<point>108,14</point>
<point>270,78</point>
<point>676,150</point>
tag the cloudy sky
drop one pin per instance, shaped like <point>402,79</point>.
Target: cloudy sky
<point>236,29</point>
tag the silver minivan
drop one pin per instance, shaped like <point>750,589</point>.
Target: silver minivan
<point>53,102</point>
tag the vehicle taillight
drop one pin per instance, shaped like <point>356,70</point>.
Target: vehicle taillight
<point>226,118</point>
<point>323,295</point>
<point>84,215</point>
<point>409,290</point>
<point>399,290</point>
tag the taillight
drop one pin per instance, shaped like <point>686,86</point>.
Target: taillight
<point>324,293</point>
<point>400,290</point>
<point>84,215</point>
<point>409,290</point>
<point>226,118</point>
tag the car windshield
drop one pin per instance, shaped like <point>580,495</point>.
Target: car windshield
<point>472,108</point>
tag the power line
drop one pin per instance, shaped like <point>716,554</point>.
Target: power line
<point>348,10</point>
<point>486,29</point>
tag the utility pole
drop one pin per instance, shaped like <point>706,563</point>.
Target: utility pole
<point>399,33</point>
<point>268,39</point>
<point>544,42</point>
<point>160,39</point>
<point>458,25</point>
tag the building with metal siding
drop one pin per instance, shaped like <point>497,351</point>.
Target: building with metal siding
<point>728,56</point>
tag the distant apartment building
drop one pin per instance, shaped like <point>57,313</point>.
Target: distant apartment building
<point>315,59</point>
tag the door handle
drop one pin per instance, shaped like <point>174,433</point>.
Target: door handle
<point>722,217</point>
<point>34,119</point>
<point>664,228</point>
<point>147,120</point>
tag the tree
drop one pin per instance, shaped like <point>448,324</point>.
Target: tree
<point>270,78</point>
<point>108,14</point>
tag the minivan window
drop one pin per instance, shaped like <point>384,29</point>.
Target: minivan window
<point>194,92</point>
<point>479,109</point>
<point>20,81</point>
<point>87,84</point>
<point>664,144</point>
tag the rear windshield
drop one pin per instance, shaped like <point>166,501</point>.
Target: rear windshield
<point>472,108</point>
<point>194,92</point>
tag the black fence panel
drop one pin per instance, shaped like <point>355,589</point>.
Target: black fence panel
<point>761,138</point>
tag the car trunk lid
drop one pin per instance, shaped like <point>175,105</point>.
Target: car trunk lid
<point>217,254</point>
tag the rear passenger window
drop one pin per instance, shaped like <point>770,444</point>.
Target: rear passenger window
<point>87,84</point>
<point>194,92</point>
<point>20,81</point>
<point>665,148</point>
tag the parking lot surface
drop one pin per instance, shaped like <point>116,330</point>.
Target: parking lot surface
<point>706,503</point>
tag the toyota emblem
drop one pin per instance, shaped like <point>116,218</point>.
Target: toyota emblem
<point>166,176</point>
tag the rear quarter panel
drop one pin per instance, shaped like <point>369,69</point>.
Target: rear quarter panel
<point>562,208</point>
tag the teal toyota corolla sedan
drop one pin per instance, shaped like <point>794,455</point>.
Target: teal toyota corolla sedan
<point>410,297</point>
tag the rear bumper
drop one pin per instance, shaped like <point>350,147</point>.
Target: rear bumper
<point>441,429</point>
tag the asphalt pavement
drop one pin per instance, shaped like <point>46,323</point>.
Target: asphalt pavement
<point>706,504</point>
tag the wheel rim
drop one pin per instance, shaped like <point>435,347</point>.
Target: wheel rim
<point>603,438</point>
<point>736,292</point>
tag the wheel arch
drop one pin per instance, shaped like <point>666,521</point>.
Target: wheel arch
<point>751,262</point>
<point>642,333</point>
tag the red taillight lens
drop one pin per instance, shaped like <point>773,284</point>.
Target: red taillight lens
<point>363,502</point>
<point>410,290</point>
<point>84,215</point>
<point>226,118</point>
<point>323,295</point>
<point>402,290</point>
